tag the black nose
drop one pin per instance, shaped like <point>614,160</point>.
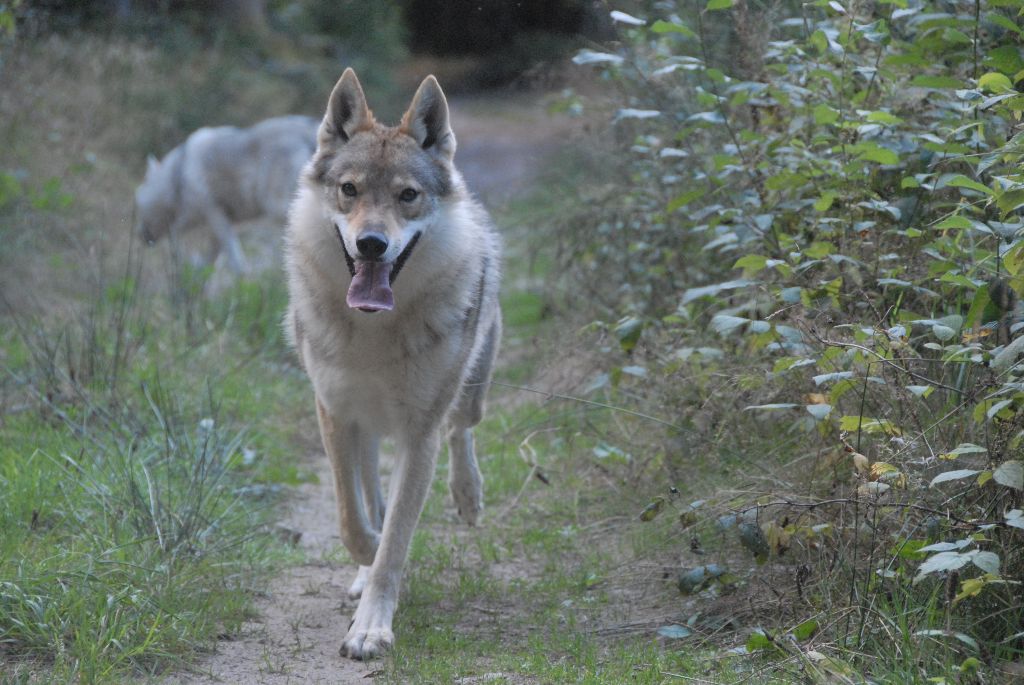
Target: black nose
<point>371,245</point>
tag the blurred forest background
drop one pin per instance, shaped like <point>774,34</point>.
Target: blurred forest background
<point>760,411</point>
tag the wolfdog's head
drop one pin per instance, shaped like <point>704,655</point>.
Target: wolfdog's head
<point>155,200</point>
<point>383,186</point>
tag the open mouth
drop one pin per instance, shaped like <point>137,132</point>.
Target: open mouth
<point>370,290</point>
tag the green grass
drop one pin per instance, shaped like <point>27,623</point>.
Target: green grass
<point>138,484</point>
<point>525,594</point>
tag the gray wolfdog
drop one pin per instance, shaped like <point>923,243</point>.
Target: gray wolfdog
<point>393,274</point>
<point>223,175</point>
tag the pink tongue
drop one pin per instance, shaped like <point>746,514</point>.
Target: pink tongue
<point>371,287</point>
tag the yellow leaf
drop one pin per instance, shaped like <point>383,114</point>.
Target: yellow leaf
<point>777,536</point>
<point>880,469</point>
<point>971,587</point>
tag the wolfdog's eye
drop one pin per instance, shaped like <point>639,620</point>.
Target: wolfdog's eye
<point>348,189</point>
<point>408,195</point>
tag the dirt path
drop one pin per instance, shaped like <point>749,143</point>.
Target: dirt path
<point>299,625</point>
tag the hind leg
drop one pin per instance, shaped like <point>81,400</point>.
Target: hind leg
<point>464,478</point>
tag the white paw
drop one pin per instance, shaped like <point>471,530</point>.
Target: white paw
<point>367,644</point>
<point>369,635</point>
<point>468,493</point>
<point>356,589</point>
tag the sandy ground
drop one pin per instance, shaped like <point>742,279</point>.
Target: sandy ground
<point>301,622</point>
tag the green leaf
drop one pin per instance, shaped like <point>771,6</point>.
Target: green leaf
<point>1004,22</point>
<point>961,181</point>
<point>719,5</point>
<point>946,546</point>
<point>963,448</point>
<point>823,114</point>
<point>819,249</point>
<point>1011,474</point>
<point>924,81</point>
<point>994,82</point>
<point>879,117</point>
<point>753,538</point>
<point>825,201</point>
<point>994,410</point>
<point>943,561</point>
<point>911,549</point>
<point>785,180</point>
<point>662,26</point>
<point>986,410</point>
<point>674,632</point>
<point>628,332</point>
<point>876,153</point>
<point>948,148</point>
<point>935,632</point>
<point>986,561</point>
<point>819,41</point>
<point>691,294</point>
<point>758,641</point>
<point>971,665</point>
<point>977,310</point>
<point>724,324</point>
<point>958,474</point>
<point>684,199</point>
<point>1005,59</point>
<point>1010,200</point>
<point>956,221</point>
<point>1014,259</point>
<point>652,510</point>
<point>805,630</point>
<point>955,37</point>
<point>751,264</point>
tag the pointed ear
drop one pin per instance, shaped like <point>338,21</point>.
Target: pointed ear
<point>152,164</point>
<point>427,120</point>
<point>347,112</point>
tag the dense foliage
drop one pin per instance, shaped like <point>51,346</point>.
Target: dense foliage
<point>816,241</point>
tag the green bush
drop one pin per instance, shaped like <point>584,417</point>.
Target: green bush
<point>812,246</point>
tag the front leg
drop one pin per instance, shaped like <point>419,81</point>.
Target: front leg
<point>370,633</point>
<point>228,240</point>
<point>350,449</point>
